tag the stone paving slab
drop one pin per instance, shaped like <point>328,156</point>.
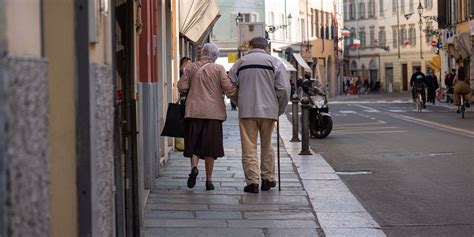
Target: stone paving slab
<point>184,223</point>
<point>306,232</point>
<point>281,215</point>
<point>173,209</point>
<point>285,224</point>
<point>204,232</point>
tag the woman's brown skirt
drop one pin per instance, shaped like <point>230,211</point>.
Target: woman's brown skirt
<point>203,137</point>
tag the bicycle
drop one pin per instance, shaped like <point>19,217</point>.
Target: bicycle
<point>419,100</point>
<point>463,106</point>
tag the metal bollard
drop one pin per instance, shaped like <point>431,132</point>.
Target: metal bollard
<point>305,126</point>
<point>294,117</point>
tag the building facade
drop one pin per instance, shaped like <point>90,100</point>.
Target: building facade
<point>388,40</point>
<point>456,24</point>
<point>84,88</point>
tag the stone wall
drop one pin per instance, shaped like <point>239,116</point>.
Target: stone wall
<point>102,149</point>
<point>26,146</point>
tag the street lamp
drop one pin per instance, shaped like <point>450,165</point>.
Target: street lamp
<point>420,24</point>
<point>273,28</point>
<point>239,19</point>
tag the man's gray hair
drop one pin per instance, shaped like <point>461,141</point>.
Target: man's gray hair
<point>210,51</point>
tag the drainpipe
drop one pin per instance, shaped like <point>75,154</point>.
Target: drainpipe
<point>83,119</point>
<point>3,157</point>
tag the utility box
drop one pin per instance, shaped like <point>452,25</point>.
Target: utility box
<point>247,31</point>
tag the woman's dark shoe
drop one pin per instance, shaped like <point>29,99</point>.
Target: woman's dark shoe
<point>209,185</point>
<point>251,188</point>
<point>192,177</point>
<point>267,185</point>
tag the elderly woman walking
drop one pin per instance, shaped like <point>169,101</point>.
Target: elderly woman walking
<point>205,83</point>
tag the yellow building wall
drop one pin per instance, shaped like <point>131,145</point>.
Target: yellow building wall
<point>60,52</point>
<point>23,27</point>
<point>324,49</point>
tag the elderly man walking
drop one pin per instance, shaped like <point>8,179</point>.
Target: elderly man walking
<point>264,90</point>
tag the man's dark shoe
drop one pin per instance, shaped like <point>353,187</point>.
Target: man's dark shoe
<point>267,185</point>
<point>192,177</point>
<point>251,188</point>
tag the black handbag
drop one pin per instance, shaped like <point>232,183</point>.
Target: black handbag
<point>175,122</point>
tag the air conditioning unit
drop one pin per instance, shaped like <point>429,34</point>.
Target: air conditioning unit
<point>247,31</point>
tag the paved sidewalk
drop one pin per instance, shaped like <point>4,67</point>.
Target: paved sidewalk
<point>311,194</point>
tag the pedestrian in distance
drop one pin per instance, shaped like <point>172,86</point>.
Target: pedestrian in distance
<point>448,82</point>
<point>462,87</point>
<point>205,82</point>
<point>366,86</point>
<point>418,82</point>
<point>432,86</point>
<point>264,90</point>
<point>358,85</point>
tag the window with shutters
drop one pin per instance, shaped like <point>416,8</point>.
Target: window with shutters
<point>382,11</point>
<point>382,37</point>
<point>352,11</point>
<point>372,36</point>
<point>394,36</point>
<point>361,10</point>
<point>403,36</point>
<point>371,9</point>
<point>412,35</point>
<point>363,40</point>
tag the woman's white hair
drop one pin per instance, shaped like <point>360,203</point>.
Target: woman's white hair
<point>210,51</point>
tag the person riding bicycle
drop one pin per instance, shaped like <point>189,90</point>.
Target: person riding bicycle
<point>461,88</point>
<point>418,82</point>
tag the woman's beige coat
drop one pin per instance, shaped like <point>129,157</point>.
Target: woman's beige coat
<point>205,88</point>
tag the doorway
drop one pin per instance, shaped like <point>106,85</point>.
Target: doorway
<point>389,79</point>
<point>405,77</point>
<point>126,167</point>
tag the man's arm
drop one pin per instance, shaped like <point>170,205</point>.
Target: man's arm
<point>282,88</point>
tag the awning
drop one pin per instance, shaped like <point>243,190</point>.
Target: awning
<point>196,18</point>
<point>224,61</point>
<point>287,64</point>
<point>301,61</point>
<point>460,46</point>
<point>435,63</point>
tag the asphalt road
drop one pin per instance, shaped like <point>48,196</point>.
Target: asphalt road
<point>417,174</point>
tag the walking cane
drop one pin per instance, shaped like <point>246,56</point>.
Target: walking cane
<point>278,153</point>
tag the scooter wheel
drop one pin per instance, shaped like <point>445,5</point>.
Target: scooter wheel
<point>324,130</point>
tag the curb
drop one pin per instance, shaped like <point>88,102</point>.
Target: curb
<point>337,209</point>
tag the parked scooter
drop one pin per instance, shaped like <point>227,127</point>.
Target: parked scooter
<point>320,122</point>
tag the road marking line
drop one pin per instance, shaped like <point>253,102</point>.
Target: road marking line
<point>363,128</point>
<point>435,125</point>
<point>397,111</point>
<point>347,112</point>
<point>368,132</point>
<point>358,124</point>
